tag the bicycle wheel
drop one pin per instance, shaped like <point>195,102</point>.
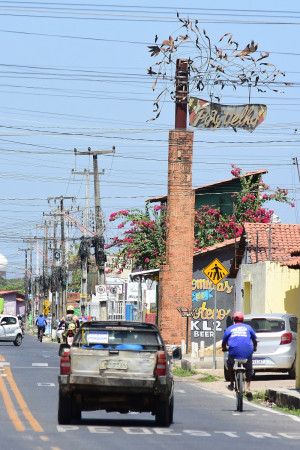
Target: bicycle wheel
<point>41,336</point>
<point>239,391</point>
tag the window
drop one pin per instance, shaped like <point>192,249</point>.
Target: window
<point>117,339</point>
<point>293,324</point>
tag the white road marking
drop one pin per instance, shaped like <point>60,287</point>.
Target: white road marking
<point>39,364</point>
<point>46,384</point>
<point>4,363</point>
<point>138,431</point>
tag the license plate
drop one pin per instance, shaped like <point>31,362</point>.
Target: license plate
<point>258,361</point>
<point>112,364</point>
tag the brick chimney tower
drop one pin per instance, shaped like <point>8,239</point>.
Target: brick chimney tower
<point>175,281</point>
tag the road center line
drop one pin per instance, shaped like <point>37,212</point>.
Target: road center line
<point>39,364</point>
<point>12,413</point>
<point>33,422</point>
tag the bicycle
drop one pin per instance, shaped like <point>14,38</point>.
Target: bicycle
<point>41,334</point>
<point>239,382</point>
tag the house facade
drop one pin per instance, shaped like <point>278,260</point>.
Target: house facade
<point>14,302</point>
<point>266,268</point>
<point>211,301</point>
<point>218,194</point>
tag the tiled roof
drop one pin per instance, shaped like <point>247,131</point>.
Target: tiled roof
<point>273,242</point>
<point>247,174</point>
<point>9,292</point>
<point>217,246</point>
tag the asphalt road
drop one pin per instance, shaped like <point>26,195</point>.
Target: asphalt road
<point>203,417</point>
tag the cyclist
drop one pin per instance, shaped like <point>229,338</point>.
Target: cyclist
<point>242,342</point>
<point>41,324</point>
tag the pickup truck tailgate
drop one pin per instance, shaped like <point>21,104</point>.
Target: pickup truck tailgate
<point>108,363</point>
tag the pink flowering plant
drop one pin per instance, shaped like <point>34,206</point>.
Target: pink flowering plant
<point>212,227</point>
<point>143,237</point>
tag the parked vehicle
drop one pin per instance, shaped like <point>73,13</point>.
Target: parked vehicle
<point>277,342</point>
<point>10,330</point>
<point>116,366</point>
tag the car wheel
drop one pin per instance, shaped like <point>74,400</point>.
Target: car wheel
<point>292,371</point>
<point>18,340</point>
<point>163,413</point>
<point>64,409</point>
<point>226,374</point>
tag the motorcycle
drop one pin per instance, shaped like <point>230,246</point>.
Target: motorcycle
<point>70,333</point>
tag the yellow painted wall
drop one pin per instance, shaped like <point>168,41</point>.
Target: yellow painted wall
<point>273,288</point>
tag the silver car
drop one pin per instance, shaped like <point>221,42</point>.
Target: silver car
<point>10,330</point>
<point>277,342</point>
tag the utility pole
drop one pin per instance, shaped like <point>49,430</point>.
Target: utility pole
<point>62,304</point>
<point>99,240</point>
<point>30,283</point>
<point>37,275</point>
<point>84,245</point>
<point>26,282</point>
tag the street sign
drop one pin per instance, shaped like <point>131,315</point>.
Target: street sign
<point>46,303</point>
<point>101,294</point>
<point>46,311</point>
<point>215,271</point>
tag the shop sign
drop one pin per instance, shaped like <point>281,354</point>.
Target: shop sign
<point>206,114</point>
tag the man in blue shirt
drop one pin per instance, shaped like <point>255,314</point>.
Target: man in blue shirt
<point>41,324</point>
<point>242,342</point>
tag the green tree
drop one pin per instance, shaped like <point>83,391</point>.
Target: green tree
<point>12,284</point>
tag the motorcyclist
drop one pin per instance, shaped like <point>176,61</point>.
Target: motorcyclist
<point>41,324</point>
<point>69,319</point>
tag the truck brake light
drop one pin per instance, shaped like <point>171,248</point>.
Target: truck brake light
<point>161,364</point>
<point>65,363</point>
<point>286,338</point>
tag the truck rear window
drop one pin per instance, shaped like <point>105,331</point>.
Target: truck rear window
<point>117,339</point>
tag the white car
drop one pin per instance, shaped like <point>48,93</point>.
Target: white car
<point>10,330</point>
<point>277,343</point>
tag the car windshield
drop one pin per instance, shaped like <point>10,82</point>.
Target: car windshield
<point>125,339</point>
<point>263,325</point>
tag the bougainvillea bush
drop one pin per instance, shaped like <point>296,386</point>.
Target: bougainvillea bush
<point>143,235</point>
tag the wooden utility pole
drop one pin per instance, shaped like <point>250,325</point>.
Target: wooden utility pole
<point>26,282</point>
<point>62,303</point>
<point>53,247</point>
<point>99,242</point>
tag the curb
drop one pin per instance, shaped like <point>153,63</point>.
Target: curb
<point>284,398</point>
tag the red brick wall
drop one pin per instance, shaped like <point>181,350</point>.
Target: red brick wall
<point>175,279</point>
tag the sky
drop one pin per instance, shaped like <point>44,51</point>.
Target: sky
<point>74,75</point>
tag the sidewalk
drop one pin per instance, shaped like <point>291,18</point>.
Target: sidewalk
<point>278,388</point>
